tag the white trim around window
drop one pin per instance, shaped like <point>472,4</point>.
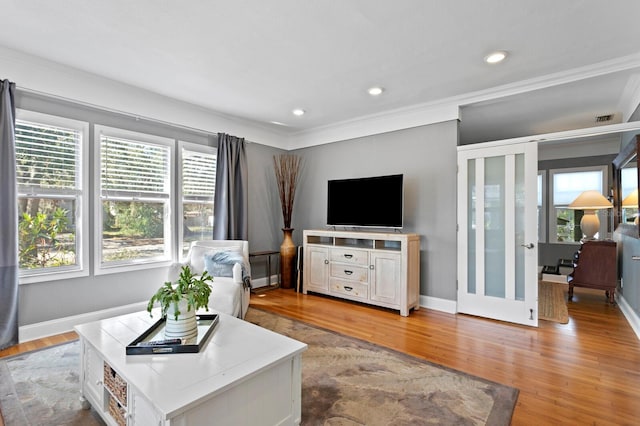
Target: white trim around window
<point>208,188</point>
<point>79,194</point>
<point>155,191</point>
<point>542,204</point>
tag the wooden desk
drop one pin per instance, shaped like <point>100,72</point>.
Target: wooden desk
<point>595,266</point>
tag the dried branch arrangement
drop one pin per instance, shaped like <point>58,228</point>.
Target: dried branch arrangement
<point>287,169</point>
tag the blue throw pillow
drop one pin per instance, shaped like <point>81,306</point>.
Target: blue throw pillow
<point>220,264</point>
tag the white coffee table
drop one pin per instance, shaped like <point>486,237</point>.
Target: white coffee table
<point>244,375</point>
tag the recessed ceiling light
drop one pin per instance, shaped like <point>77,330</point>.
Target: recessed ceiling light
<point>375,91</point>
<point>495,57</point>
<point>298,112</point>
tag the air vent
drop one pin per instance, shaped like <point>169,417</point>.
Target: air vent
<point>603,118</point>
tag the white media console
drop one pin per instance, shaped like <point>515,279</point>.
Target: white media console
<point>380,269</point>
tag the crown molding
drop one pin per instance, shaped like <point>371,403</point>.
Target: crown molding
<point>388,121</point>
<point>567,135</point>
<point>448,109</point>
<point>550,80</point>
<point>51,79</point>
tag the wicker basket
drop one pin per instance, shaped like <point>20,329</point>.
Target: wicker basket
<point>115,384</point>
<point>117,411</point>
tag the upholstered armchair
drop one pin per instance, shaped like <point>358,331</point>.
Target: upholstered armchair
<point>228,262</point>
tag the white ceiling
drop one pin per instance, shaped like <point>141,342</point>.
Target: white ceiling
<point>568,60</point>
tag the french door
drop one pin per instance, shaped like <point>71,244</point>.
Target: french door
<point>497,232</point>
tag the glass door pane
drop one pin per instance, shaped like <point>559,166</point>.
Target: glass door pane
<point>519,212</point>
<point>471,227</point>
<point>494,228</point>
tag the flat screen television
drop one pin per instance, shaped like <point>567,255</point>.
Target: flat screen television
<point>376,202</point>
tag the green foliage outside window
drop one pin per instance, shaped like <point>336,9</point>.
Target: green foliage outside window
<point>135,219</point>
<point>132,230</point>
<point>44,239</point>
<point>568,225</point>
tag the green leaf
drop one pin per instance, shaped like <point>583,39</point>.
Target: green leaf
<point>195,290</point>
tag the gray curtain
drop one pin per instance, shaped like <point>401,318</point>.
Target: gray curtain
<point>8,219</point>
<point>231,216</point>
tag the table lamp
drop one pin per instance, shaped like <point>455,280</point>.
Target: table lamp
<point>631,202</point>
<point>590,201</point>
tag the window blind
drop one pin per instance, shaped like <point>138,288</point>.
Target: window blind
<point>198,176</point>
<point>47,156</point>
<point>133,168</point>
<point>568,185</point>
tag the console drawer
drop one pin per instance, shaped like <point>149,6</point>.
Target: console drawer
<point>351,256</point>
<point>351,289</point>
<point>350,272</point>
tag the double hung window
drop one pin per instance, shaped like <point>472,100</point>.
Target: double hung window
<point>134,175</point>
<point>138,222</point>
<point>197,185</point>
<point>51,176</point>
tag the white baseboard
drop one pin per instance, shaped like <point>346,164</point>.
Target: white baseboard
<point>262,282</point>
<point>555,278</point>
<point>630,315</point>
<point>437,304</point>
<point>63,325</point>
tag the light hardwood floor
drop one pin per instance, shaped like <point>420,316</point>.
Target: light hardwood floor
<point>586,372</point>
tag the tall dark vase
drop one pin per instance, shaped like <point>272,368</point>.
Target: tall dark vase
<point>287,259</point>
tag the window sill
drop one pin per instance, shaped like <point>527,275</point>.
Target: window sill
<point>34,277</point>
<point>119,268</point>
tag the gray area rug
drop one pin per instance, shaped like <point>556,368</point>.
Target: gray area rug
<point>42,388</point>
<point>347,381</point>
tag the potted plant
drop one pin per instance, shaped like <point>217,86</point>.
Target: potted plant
<point>179,302</point>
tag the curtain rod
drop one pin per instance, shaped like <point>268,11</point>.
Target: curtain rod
<point>136,117</point>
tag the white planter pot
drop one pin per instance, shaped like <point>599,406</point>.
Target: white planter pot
<point>185,327</point>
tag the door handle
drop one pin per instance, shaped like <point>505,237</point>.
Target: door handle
<point>529,246</point>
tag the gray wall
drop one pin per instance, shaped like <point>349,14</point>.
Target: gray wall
<point>265,214</point>
<point>61,298</point>
<point>628,247</point>
<point>427,157</point>
<point>630,270</point>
